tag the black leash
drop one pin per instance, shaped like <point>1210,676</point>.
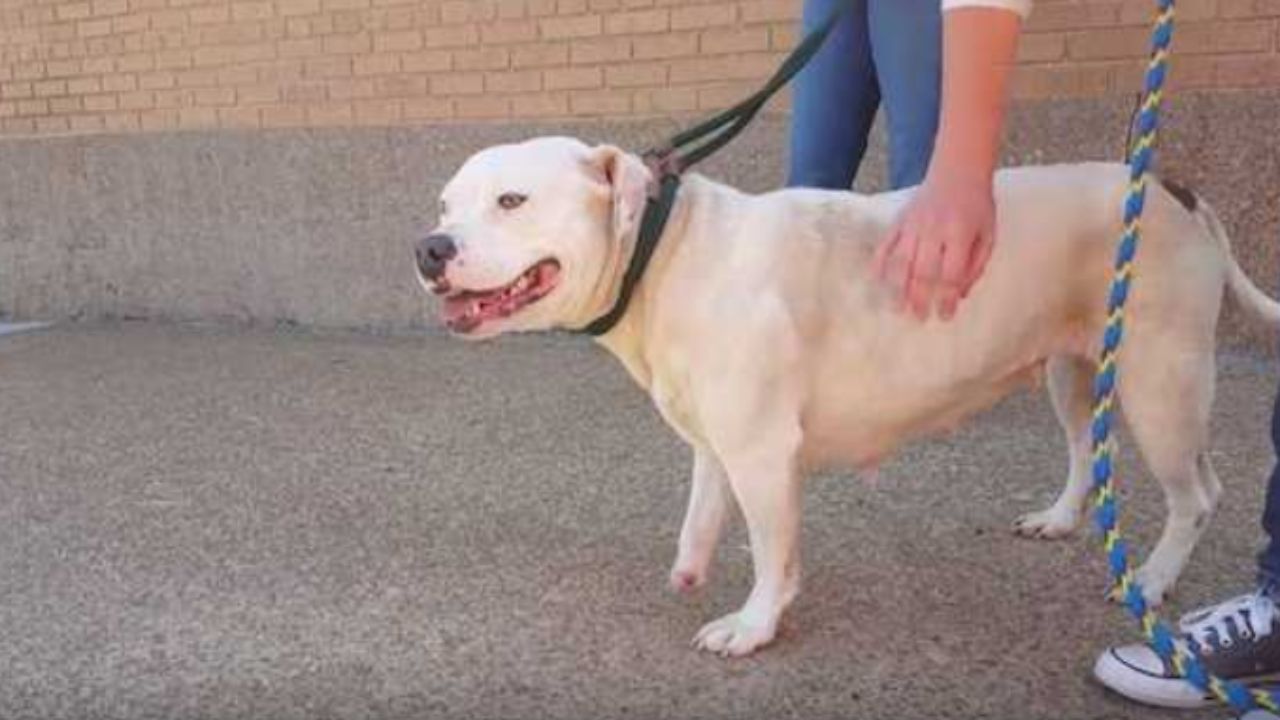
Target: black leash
<point>689,147</point>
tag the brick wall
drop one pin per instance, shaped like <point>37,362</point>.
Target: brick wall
<point>124,65</point>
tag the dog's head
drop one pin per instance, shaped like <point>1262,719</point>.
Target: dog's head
<point>532,236</point>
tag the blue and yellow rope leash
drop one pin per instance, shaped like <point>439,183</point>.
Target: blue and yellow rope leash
<point>1154,630</point>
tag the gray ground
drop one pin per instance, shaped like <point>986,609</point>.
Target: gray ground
<point>207,523</point>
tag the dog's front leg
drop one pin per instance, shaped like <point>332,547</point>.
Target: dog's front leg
<point>766,482</point>
<point>708,504</point>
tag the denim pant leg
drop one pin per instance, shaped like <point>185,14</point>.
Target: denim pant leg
<point>834,101</point>
<point>1269,558</point>
<point>906,46</point>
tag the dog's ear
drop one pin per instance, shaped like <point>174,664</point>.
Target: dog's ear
<point>624,179</point>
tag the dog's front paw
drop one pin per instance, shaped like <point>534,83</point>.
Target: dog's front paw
<point>1051,524</point>
<point>730,636</point>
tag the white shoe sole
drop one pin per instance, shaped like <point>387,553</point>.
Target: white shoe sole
<point>1141,686</point>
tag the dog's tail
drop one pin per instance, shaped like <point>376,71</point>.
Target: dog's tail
<point>1253,300</point>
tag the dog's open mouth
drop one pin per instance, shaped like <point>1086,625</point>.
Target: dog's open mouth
<point>466,310</point>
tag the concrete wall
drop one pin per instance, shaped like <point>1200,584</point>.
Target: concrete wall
<point>314,226</point>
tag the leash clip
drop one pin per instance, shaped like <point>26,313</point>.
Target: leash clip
<point>663,162</point>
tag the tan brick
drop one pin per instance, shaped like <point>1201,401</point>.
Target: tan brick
<point>429,108</point>
<point>1224,37</point>
<point>240,117</point>
<point>457,84</point>
<point>602,50</point>
<point>8,109</point>
<point>197,78</point>
<point>348,44</point>
<point>87,123</point>
<point>349,21</point>
<point>136,22</point>
<point>173,60</point>
<point>198,117</point>
<point>156,80</point>
<point>135,63</point>
<point>1249,72</point>
<point>294,8</point>
<point>1108,44</point>
<point>1042,47</point>
<point>1246,8</point>
<point>634,23</point>
<point>376,64</point>
<point>119,83</point>
<point>304,92</point>
<point>482,107</point>
<point>99,103</point>
<point>98,65</point>
<point>573,78</point>
<point>73,11</point>
<point>65,105</point>
<point>571,27</point>
<point>259,10</point>
<point>456,12</point>
<point>600,102</point>
<point>28,71</point>
<point>1143,12</point>
<point>16,90</point>
<point>48,88</point>
<point>400,86</point>
<point>299,47</point>
<point>719,42</point>
<point>571,7</point>
<point>209,15</point>
<point>158,119</point>
<point>215,96</point>
<point>1045,81</point>
<point>327,67</point>
<point>174,98</point>
<point>430,61</point>
<point>540,105</point>
<point>330,114</point>
<point>481,59</point>
<point>377,112</point>
<point>93,28</point>
<point>398,41</point>
<point>33,107</point>
<point>137,100</point>
<point>284,116</point>
<point>769,10</point>
<point>513,82</point>
<point>540,55</point>
<point>1073,16</point>
<point>110,7</point>
<point>351,89</point>
<point>460,36</point>
<point>704,16</point>
<point>62,68</point>
<point>665,46</point>
<point>636,75</point>
<point>52,125</point>
<point>19,126</point>
<point>257,94</point>
<point>168,19</point>
<point>664,100</point>
<point>83,86</point>
<point>722,68</point>
<point>507,32</point>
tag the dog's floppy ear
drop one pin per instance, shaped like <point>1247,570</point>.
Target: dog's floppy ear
<point>625,179</point>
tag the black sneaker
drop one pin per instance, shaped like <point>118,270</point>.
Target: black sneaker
<point>1238,640</point>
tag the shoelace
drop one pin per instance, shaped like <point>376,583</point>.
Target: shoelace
<point>1251,615</point>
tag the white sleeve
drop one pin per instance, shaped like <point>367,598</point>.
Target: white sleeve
<point>1022,7</point>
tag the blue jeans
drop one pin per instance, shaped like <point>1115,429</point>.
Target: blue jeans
<point>881,50</point>
<point>1269,558</point>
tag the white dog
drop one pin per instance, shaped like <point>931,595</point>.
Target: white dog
<point>763,340</point>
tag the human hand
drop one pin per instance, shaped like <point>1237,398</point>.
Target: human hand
<point>940,244</point>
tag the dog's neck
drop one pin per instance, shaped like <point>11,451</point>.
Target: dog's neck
<point>626,339</point>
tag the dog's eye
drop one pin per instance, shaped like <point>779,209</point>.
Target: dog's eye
<point>511,201</point>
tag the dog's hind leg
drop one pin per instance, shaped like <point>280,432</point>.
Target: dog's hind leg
<point>1070,389</point>
<point>1166,399</point>
<point>703,521</point>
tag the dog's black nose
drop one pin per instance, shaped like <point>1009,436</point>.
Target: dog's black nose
<point>433,252</point>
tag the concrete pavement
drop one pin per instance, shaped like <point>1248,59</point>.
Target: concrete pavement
<point>206,523</point>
